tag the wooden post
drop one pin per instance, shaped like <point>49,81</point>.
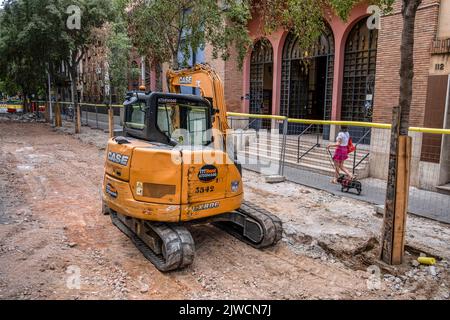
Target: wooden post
<point>111,121</point>
<point>397,193</point>
<point>77,118</point>
<point>402,197</point>
<point>58,119</point>
<point>47,112</point>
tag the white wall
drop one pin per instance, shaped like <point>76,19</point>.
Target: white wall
<point>444,20</point>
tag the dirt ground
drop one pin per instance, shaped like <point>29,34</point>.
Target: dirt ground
<point>52,230</point>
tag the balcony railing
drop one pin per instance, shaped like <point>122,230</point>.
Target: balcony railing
<point>440,46</point>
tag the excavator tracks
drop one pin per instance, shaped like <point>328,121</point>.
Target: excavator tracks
<point>169,247</point>
<point>252,225</point>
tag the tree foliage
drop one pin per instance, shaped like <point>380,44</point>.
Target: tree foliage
<point>119,47</point>
<point>305,18</point>
<point>34,37</point>
<point>161,29</point>
<point>26,38</point>
<point>94,15</point>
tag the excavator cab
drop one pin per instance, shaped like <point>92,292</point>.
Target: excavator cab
<point>170,168</point>
<point>170,119</point>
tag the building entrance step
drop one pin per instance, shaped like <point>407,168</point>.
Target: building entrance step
<point>445,189</point>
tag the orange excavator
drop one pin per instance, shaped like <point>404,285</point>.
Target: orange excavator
<point>174,166</point>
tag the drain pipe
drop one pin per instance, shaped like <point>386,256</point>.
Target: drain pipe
<point>445,155</point>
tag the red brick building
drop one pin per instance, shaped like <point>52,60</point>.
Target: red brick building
<point>352,73</point>
<point>351,61</point>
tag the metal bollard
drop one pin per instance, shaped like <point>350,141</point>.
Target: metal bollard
<point>96,117</point>
<point>283,148</point>
<point>110,120</point>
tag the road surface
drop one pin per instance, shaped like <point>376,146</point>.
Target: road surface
<point>56,244</point>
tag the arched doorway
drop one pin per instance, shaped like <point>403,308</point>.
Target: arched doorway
<point>261,80</point>
<point>307,79</point>
<point>148,74</point>
<point>360,63</point>
<point>153,75</point>
<point>134,75</point>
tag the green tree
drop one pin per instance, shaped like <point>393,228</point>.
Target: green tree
<point>305,18</point>
<point>8,88</point>
<point>94,14</point>
<point>119,48</point>
<point>161,29</point>
<point>35,37</point>
<point>26,34</point>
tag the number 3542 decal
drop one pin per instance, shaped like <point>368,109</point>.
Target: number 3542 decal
<point>204,189</point>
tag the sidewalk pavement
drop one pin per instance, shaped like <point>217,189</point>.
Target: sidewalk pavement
<point>423,203</point>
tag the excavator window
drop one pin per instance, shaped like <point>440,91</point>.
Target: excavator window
<point>167,118</point>
<point>136,116</point>
<point>185,123</point>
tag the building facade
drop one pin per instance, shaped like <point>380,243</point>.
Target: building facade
<point>351,74</point>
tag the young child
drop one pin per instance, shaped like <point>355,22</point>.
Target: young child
<point>341,153</point>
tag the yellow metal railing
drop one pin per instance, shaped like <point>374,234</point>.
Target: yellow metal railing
<point>256,116</point>
<point>84,104</point>
<point>300,121</point>
<point>338,123</point>
<point>92,104</point>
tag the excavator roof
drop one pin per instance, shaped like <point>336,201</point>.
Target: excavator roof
<point>134,96</point>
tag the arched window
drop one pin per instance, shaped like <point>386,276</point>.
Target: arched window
<point>148,74</point>
<point>135,72</point>
<point>261,75</point>
<point>359,73</point>
<point>358,87</point>
<point>261,81</point>
<point>307,77</point>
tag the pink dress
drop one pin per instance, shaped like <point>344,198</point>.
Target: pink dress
<point>341,154</point>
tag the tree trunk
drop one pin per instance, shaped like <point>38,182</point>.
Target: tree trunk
<point>409,11</point>
<point>400,127</point>
<point>24,103</point>
<point>27,104</point>
<point>175,63</point>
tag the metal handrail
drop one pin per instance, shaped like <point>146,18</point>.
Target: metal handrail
<point>244,129</point>
<point>362,138</point>
<point>249,123</point>
<point>309,150</point>
<point>356,165</point>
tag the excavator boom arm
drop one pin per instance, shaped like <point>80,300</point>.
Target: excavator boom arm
<point>207,80</point>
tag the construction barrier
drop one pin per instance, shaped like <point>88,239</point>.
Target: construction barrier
<point>97,116</point>
<point>11,106</point>
<point>295,149</point>
<point>305,159</point>
<point>337,123</point>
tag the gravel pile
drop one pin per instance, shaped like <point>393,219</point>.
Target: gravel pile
<point>22,117</point>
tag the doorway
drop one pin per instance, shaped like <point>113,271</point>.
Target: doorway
<point>307,82</point>
<point>358,88</point>
<point>261,83</point>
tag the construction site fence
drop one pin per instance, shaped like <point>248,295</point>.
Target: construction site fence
<point>92,115</point>
<point>297,150</point>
